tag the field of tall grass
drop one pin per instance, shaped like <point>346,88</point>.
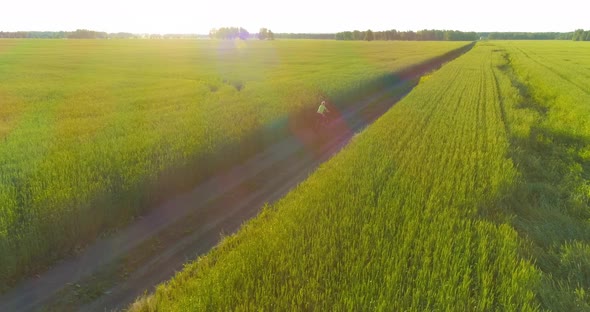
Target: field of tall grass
<point>550,139</point>
<point>94,132</point>
<point>417,213</point>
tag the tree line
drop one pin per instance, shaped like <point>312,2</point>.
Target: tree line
<point>231,33</point>
<point>421,35</point>
<point>325,36</point>
<point>577,35</point>
<point>581,35</point>
<point>78,34</point>
<point>90,34</point>
<point>527,36</point>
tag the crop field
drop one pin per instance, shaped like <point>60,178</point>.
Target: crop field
<point>90,129</point>
<point>550,138</point>
<point>471,194</point>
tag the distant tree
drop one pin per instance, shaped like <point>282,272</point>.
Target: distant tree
<point>578,35</point>
<point>346,35</point>
<point>243,34</point>
<point>392,35</point>
<point>213,33</point>
<point>122,35</point>
<point>263,34</point>
<point>229,33</point>
<point>87,34</point>
<point>426,35</point>
<point>369,35</point>
<point>408,35</point>
<point>357,35</point>
<point>565,36</point>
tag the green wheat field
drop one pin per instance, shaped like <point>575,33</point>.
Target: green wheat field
<point>470,194</point>
<point>88,128</point>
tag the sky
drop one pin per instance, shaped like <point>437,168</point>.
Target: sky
<point>300,16</point>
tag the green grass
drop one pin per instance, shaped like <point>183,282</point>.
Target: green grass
<point>551,147</point>
<point>93,132</point>
<point>417,213</point>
